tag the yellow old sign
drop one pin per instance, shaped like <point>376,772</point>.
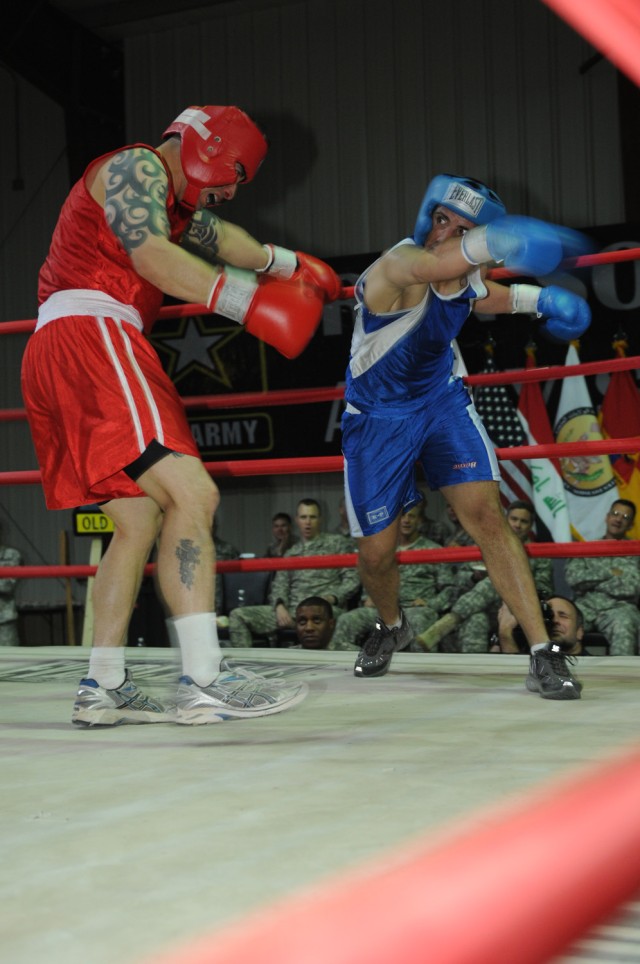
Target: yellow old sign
<point>92,522</point>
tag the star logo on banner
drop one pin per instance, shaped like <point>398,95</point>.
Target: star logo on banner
<point>194,348</point>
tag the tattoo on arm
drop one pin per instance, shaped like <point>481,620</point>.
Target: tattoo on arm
<point>202,235</point>
<point>188,556</point>
<point>136,197</point>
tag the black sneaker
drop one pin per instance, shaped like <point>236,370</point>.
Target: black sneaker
<point>550,676</point>
<point>375,656</point>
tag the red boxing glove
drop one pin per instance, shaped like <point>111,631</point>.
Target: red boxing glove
<point>318,273</point>
<point>284,314</point>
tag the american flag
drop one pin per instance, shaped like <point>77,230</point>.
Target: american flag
<point>497,409</point>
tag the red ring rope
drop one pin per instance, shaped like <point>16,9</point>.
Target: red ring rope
<point>347,560</point>
<point>180,311</point>
<point>298,396</point>
<point>334,463</point>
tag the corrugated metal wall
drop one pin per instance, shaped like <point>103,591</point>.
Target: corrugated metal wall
<point>364,100</point>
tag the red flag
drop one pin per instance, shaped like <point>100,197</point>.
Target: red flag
<point>620,418</point>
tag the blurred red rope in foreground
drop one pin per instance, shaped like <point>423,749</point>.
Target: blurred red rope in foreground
<point>567,854</point>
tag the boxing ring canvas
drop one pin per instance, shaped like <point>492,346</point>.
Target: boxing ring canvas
<point>137,843</point>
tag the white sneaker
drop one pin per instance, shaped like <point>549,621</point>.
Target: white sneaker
<point>234,698</point>
<point>97,706</point>
<point>240,673</point>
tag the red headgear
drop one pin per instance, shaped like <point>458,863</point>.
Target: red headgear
<point>212,141</point>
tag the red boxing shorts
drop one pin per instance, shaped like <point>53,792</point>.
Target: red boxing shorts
<point>96,396</point>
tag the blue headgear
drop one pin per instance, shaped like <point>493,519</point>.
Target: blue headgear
<point>465,196</point>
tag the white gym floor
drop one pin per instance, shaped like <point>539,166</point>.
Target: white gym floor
<point>118,843</point>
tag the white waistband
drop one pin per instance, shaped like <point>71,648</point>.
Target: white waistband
<point>84,301</point>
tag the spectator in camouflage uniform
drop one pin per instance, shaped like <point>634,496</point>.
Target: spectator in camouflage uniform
<point>282,532</point>
<point>474,615</point>
<point>607,588</point>
<point>467,574</point>
<point>282,539</point>
<point>432,529</point>
<point>8,610</point>
<point>426,589</point>
<point>459,536</point>
<point>291,586</point>
<point>224,550</point>
<point>343,526</point>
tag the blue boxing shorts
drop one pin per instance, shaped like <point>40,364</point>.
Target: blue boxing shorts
<point>447,438</point>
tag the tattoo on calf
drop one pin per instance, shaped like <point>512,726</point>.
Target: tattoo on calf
<point>188,556</point>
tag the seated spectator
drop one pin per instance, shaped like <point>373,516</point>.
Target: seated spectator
<point>291,586</point>
<point>607,588</point>
<point>619,519</point>
<point>282,532</point>
<point>426,589</point>
<point>8,609</point>
<point>282,539</point>
<point>315,623</point>
<point>343,529</point>
<point>467,574</point>
<point>566,628</point>
<point>459,536</point>
<point>431,529</point>
<point>474,614</point>
<point>224,550</point>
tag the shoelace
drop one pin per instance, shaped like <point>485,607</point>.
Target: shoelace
<point>239,672</point>
<point>559,661</point>
<point>373,642</point>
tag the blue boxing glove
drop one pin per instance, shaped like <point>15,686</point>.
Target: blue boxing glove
<point>567,315</point>
<point>523,244</point>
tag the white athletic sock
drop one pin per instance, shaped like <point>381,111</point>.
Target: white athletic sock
<point>197,636</point>
<point>397,624</point>
<point>537,646</point>
<point>106,666</point>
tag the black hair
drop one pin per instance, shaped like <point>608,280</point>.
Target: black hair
<point>521,504</point>
<point>317,601</point>
<point>579,615</point>
<point>310,502</point>
<point>630,505</point>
